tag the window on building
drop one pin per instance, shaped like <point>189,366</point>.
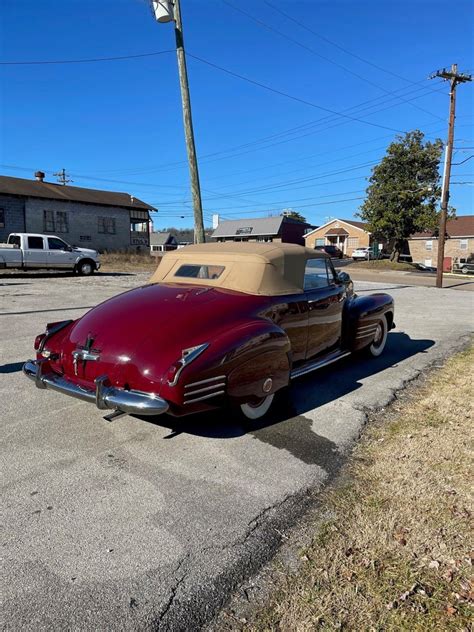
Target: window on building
<point>353,242</point>
<point>48,221</point>
<point>85,238</point>
<point>61,222</point>
<point>265,238</point>
<point>246,230</point>
<point>320,242</point>
<point>429,244</point>
<point>35,243</point>
<point>2,218</point>
<point>55,221</point>
<point>139,221</point>
<point>463,243</point>
<point>106,225</point>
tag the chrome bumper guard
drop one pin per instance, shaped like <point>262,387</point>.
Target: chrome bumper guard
<point>104,397</point>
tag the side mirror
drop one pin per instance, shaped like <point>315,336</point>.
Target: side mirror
<point>67,249</point>
<point>344,278</point>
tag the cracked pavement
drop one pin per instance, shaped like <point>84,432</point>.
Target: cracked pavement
<point>140,525</point>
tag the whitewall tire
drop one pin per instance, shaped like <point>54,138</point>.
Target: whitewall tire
<point>257,408</point>
<point>380,338</point>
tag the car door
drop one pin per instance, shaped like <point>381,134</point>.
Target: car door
<point>59,254</point>
<point>325,298</point>
<point>34,254</point>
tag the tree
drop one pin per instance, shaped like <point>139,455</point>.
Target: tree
<point>294,215</point>
<point>404,190</point>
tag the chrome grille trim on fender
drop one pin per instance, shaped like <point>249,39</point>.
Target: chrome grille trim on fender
<point>211,387</point>
<point>209,379</point>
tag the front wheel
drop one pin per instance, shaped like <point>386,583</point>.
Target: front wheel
<point>380,338</point>
<point>464,270</point>
<point>257,408</point>
<point>85,268</point>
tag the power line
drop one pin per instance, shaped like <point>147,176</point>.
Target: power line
<point>292,97</point>
<point>333,43</point>
<point>82,61</point>
<point>311,50</point>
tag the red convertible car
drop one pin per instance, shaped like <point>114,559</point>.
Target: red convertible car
<point>226,322</point>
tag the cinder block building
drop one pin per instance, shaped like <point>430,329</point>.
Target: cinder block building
<point>347,235</point>
<point>459,243</point>
<point>102,220</point>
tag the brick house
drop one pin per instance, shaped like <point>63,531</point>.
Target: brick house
<point>279,229</point>
<point>103,220</point>
<point>459,243</point>
<point>344,233</point>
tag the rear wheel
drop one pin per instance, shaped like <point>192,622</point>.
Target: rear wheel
<point>257,408</point>
<point>380,338</point>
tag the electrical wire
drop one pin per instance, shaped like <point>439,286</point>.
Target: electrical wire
<point>82,61</point>
<point>293,97</point>
<point>312,51</point>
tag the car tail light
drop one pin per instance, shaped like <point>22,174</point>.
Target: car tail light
<point>38,340</point>
<point>187,356</point>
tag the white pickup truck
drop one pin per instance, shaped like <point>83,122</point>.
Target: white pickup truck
<point>29,251</point>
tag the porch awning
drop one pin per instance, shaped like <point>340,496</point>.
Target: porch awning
<point>336,232</point>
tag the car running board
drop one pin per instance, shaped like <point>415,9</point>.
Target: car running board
<point>318,364</point>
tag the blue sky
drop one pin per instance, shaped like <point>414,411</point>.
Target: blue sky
<point>117,125</point>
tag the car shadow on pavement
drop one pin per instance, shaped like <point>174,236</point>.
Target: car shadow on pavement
<point>13,367</point>
<point>288,422</point>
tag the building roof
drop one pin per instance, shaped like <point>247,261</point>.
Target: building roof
<point>253,227</point>
<point>253,268</point>
<point>55,191</point>
<point>247,227</point>
<point>161,239</point>
<point>462,226</point>
<point>336,231</point>
<point>359,225</point>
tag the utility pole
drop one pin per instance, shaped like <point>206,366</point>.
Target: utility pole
<point>454,78</point>
<point>166,11</point>
<point>63,177</point>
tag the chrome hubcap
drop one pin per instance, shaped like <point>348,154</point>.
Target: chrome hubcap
<point>378,334</point>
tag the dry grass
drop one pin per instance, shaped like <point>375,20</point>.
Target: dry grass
<point>395,555</point>
<point>383,264</point>
<point>127,262</point>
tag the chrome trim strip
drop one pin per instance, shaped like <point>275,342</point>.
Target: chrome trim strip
<point>363,327</point>
<point>319,364</point>
<point>209,379</point>
<point>199,399</point>
<point>368,335</point>
<point>105,397</point>
<point>203,390</point>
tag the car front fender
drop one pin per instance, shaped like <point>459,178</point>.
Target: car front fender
<point>361,313</point>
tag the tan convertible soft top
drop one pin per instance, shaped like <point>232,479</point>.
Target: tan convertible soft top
<point>254,268</point>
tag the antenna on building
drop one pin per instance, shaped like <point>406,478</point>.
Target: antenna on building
<point>63,177</point>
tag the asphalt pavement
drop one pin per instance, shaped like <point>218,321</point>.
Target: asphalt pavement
<point>147,525</point>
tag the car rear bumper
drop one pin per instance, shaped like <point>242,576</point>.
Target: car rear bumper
<point>103,396</point>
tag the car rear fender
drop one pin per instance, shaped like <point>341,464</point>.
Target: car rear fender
<point>249,354</point>
<point>363,313</point>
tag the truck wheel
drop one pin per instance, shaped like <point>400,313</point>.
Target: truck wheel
<point>464,270</point>
<point>380,338</point>
<point>257,408</point>
<point>85,268</point>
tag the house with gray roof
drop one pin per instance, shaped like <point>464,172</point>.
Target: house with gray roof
<point>279,229</point>
<point>103,220</point>
<point>162,242</point>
